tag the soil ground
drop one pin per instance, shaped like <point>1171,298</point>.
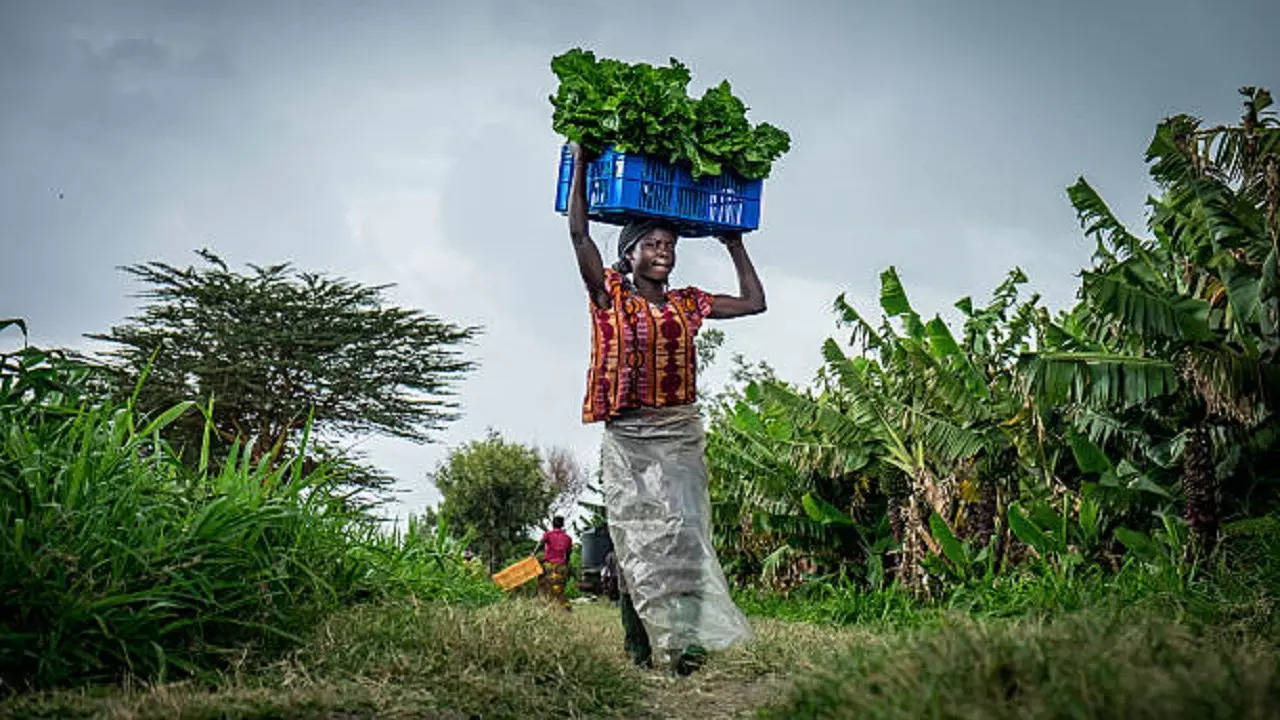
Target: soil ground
<point>734,683</point>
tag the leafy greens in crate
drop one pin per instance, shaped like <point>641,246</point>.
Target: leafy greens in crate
<point>647,109</point>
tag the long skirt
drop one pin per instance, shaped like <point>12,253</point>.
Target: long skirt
<point>655,490</point>
<point>551,584</point>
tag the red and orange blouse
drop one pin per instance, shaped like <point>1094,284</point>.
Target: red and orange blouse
<point>642,355</point>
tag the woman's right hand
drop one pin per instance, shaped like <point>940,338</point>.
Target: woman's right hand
<point>581,153</point>
<point>590,266</point>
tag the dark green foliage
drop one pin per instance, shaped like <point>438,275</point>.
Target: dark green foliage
<point>496,490</point>
<point>646,109</point>
<point>1166,362</point>
<point>275,346</point>
<point>1048,441</point>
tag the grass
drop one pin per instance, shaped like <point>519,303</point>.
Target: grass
<point>1242,580</point>
<point>1083,665</point>
<point>118,560</point>
<point>1021,593</point>
<point>1142,643</point>
<point>516,659</point>
<point>522,659</point>
<point>397,660</point>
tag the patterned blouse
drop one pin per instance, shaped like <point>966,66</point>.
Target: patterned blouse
<point>642,355</point>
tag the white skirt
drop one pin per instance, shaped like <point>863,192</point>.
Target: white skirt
<point>659,512</point>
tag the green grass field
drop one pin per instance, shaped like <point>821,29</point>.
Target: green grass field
<point>521,659</point>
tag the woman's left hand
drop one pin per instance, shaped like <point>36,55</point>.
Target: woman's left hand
<point>750,297</point>
<point>730,239</point>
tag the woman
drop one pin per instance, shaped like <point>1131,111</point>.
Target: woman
<point>642,385</point>
<point>556,546</point>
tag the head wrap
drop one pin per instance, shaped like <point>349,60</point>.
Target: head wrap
<point>632,233</point>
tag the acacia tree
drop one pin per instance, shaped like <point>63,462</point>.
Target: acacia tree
<point>496,490</point>
<point>275,347</point>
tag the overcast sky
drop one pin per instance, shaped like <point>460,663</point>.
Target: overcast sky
<point>411,143</point>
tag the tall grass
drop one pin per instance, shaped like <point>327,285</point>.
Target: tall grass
<point>116,558</point>
<point>1240,583</point>
<point>1149,641</point>
<point>1080,665</point>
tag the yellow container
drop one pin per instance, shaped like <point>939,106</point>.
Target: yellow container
<point>518,573</point>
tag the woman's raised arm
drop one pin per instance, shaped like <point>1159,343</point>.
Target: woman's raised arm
<point>750,297</point>
<point>589,263</point>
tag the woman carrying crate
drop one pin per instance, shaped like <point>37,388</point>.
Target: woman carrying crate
<point>642,385</point>
<point>556,546</point>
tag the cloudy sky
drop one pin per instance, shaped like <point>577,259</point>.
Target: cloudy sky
<point>411,143</point>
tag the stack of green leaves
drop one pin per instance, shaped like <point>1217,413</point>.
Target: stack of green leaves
<point>647,109</point>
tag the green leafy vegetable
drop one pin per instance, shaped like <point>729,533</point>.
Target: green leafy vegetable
<point>647,109</point>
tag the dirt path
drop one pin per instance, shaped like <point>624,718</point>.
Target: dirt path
<point>734,684</point>
<point>710,696</point>
<point>381,669</point>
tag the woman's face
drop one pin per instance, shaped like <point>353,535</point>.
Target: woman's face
<point>654,257</point>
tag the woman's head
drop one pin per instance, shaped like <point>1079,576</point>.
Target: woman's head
<point>648,249</point>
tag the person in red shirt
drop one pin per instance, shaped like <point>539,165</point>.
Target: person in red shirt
<point>556,546</point>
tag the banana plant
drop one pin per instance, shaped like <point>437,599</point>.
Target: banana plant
<point>1174,331</point>
<point>1161,379</point>
<point>1164,550</point>
<point>960,560</point>
<point>1064,538</point>
<point>942,415</point>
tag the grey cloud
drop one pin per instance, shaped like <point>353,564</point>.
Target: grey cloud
<point>141,52</point>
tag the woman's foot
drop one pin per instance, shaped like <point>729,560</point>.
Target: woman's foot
<point>688,660</point>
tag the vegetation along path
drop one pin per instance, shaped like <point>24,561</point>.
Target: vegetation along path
<point>514,659</point>
<point>1161,657</point>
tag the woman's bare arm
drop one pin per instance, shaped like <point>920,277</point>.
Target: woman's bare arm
<point>750,297</point>
<point>589,263</point>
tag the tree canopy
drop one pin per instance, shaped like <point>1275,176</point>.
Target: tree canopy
<point>495,489</point>
<point>274,346</point>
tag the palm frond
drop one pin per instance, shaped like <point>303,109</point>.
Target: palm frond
<point>1124,296</point>
<point>1101,224</point>
<point>1096,378</point>
<point>863,333</point>
<point>893,298</point>
<point>1169,151</point>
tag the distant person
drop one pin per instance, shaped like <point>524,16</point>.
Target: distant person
<point>609,584</point>
<point>556,546</point>
<point>473,564</point>
<point>642,384</point>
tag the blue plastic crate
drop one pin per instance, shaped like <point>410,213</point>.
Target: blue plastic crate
<point>622,187</point>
